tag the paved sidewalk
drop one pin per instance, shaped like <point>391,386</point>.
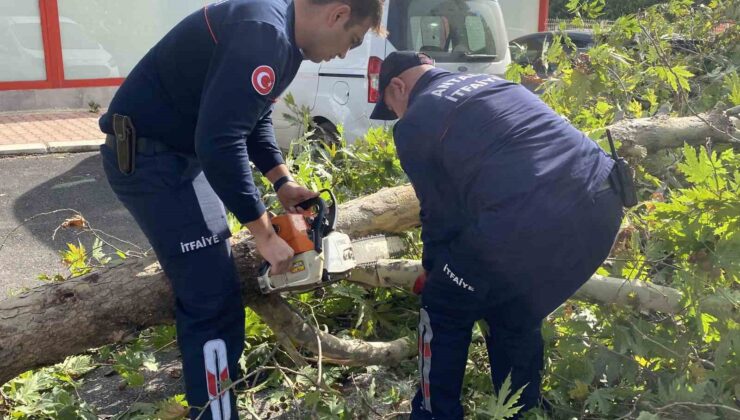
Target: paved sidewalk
<point>51,131</point>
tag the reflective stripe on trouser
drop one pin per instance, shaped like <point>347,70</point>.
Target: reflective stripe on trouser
<point>425,356</point>
<point>443,355</point>
<point>217,376</point>
<point>185,222</point>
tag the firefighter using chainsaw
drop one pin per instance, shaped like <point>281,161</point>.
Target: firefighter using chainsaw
<point>182,130</point>
<point>518,209</point>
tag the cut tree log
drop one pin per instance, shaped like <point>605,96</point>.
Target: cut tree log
<point>646,135</point>
<point>640,295</point>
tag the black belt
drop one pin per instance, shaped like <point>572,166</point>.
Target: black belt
<point>144,145</point>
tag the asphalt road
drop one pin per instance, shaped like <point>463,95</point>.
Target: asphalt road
<point>31,186</point>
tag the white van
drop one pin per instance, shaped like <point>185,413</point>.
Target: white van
<point>461,35</point>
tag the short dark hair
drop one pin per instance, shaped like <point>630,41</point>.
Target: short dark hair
<point>361,11</point>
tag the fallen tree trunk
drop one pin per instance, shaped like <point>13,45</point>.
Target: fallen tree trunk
<point>52,322</point>
<point>644,135</point>
<point>642,296</point>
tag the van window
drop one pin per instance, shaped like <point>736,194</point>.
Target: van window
<point>449,31</point>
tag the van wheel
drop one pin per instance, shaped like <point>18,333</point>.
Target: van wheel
<point>326,133</point>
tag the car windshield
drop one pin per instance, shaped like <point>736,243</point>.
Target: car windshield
<point>450,31</point>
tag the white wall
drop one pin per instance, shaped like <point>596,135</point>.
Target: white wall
<point>124,30</point>
<point>521,16</point>
<point>21,42</point>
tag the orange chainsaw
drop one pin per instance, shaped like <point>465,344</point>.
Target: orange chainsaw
<point>322,255</point>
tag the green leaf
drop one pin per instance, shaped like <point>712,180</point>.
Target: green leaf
<point>172,408</point>
<point>501,405</point>
<point>646,415</point>
<point>162,336</point>
<point>635,108</point>
<point>601,401</point>
<point>696,166</point>
<point>580,391</point>
<point>151,363</point>
<point>683,75</point>
<point>515,72</point>
<point>572,5</point>
<point>97,250</point>
<point>732,85</point>
<point>77,366</point>
<point>134,379</point>
<point>665,74</point>
<point>710,333</point>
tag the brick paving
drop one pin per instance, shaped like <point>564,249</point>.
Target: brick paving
<point>48,127</point>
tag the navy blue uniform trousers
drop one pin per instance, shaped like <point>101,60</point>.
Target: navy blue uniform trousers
<point>538,271</point>
<point>185,222</point>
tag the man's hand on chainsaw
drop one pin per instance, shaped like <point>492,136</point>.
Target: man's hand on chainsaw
<point>271,246</point>
<point>293,193</point>
<point>277,252</point>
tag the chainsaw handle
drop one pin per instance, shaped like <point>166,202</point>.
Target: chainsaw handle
<point>307,204</point>
<point>317,226</point>
<point>331,217</point>
<point>264,269</point>
<point>326,217</point>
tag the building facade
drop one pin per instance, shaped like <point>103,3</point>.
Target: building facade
<point>71,53</point>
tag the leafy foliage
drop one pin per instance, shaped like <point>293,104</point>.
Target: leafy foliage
<point>49,393</point>
<point>608,9</point>
<point>671,57</point>
<point>614,362</point>
<point>604,361</point>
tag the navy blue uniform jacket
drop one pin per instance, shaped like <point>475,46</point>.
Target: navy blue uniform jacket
<point>207,88</point>
<point>491,165</point>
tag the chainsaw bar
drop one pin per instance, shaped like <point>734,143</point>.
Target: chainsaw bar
<point>367,250</point>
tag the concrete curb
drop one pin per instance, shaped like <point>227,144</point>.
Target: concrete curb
<point>22,149</point>
<point>51,147</point>
<point>75,146</point>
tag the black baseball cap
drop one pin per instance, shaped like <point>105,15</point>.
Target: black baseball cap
<point>395,63</point>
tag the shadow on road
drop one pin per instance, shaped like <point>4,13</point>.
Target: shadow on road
<point>82,188</point>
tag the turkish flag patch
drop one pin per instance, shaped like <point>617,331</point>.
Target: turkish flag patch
<point>263,79</point>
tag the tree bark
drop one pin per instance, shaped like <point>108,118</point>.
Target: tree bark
<point>388,210</point>
<point>642,296</point>
<point>644,135</point>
